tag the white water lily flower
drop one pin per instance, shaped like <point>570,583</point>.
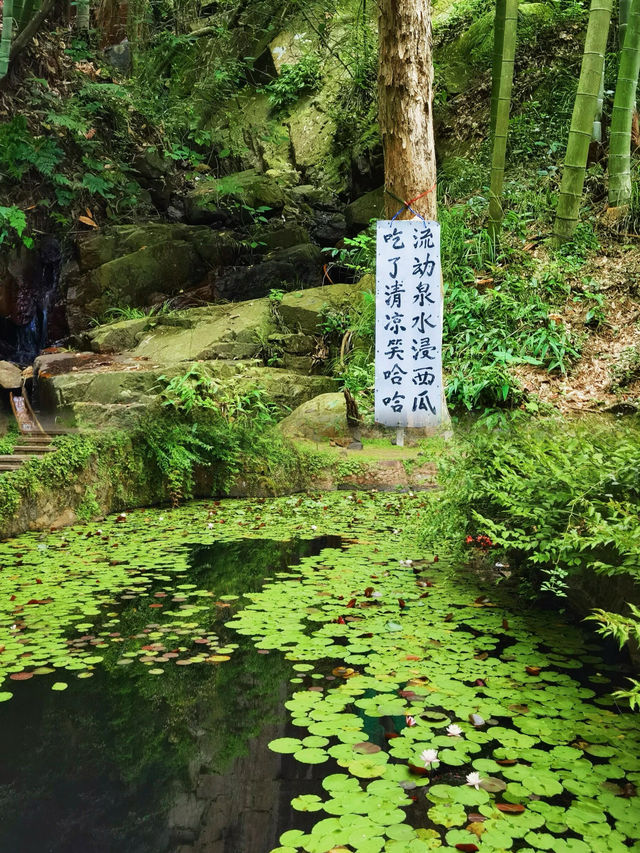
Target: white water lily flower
<point>406,563</point>
<point>429,756</point>
<point>454,730</point>
<point>314,526</point>
<point>210,525</point>
<point>474,780</point>
<point>376,595</point>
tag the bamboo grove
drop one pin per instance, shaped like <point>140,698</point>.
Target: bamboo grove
<point>586,124</point>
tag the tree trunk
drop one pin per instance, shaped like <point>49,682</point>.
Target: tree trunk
<point>498,43</point>
<point>624,104</point>
<point>501,129</point>
<point>405,84</point>
<point>7,32</point>
<point>584,112</point>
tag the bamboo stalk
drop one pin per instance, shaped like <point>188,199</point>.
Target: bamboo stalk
<point>7,32</point>
<point>498,43</point>
<point>623,17</point>
<point>584,112</point>
<point>501,129</point>
<point>624,104</point>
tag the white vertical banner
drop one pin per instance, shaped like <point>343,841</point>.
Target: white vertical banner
<point>408,389</point>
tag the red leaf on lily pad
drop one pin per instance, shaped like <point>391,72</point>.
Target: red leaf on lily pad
<point>469,848</point>
<point>533,670</point>
<point>352,603</point>
<point>20,676</point>
<point>510,808</point>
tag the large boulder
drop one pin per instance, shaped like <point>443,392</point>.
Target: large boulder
<point>360,212</point>
<point>240,192</point>
<point>323,417</point>
<point>120,394</point>
<point>117,337</point>
<point>302,310</point>
<point>141,265</point>
<point>10,376</point>
<point>232,331</point>
<point>312,130</point>
<point>110,380</point>
<point>289,267</point>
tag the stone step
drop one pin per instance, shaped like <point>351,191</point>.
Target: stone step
<point>17,457</point>
<point>10,466</point>
<point>33,448</point>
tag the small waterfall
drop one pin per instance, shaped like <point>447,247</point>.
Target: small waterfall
<point>24,328</point>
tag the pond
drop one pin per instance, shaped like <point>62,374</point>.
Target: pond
<point>249,676</point>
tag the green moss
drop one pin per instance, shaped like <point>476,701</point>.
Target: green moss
<point>88,507</point>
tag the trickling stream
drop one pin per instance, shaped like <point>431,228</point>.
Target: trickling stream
<point>174,700</point>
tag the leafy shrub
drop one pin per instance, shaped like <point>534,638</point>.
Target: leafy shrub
<point>20,151</point>
<point>294,80</point>
<point>12,224</point>
<point>623,629</point>
<point>559,498</point>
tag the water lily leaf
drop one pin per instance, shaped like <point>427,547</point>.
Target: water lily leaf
<point>493,785</point>
<point>285,745</point>
<point>307,803</point>
<point>366,748</point>
<point>510,808</point>
<point>311,756</point>
<point>366,769</point>
<point>447,814</point>
<point>59,685</point>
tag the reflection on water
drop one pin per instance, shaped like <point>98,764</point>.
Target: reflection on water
<point>135,763</point>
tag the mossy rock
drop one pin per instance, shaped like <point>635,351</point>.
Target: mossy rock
<point>323,417</point>
<point>209,334</point>
<point>117,337</point>
<point>284,237</point>
<point>250,188</point>
<point>302,310</point>
<point>369,206</point>
<point>101,247</point>
<point>85,378</point>
<point>144,265</point>
<point>312,131</point>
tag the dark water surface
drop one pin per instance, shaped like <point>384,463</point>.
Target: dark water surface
<point>125,762</point>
